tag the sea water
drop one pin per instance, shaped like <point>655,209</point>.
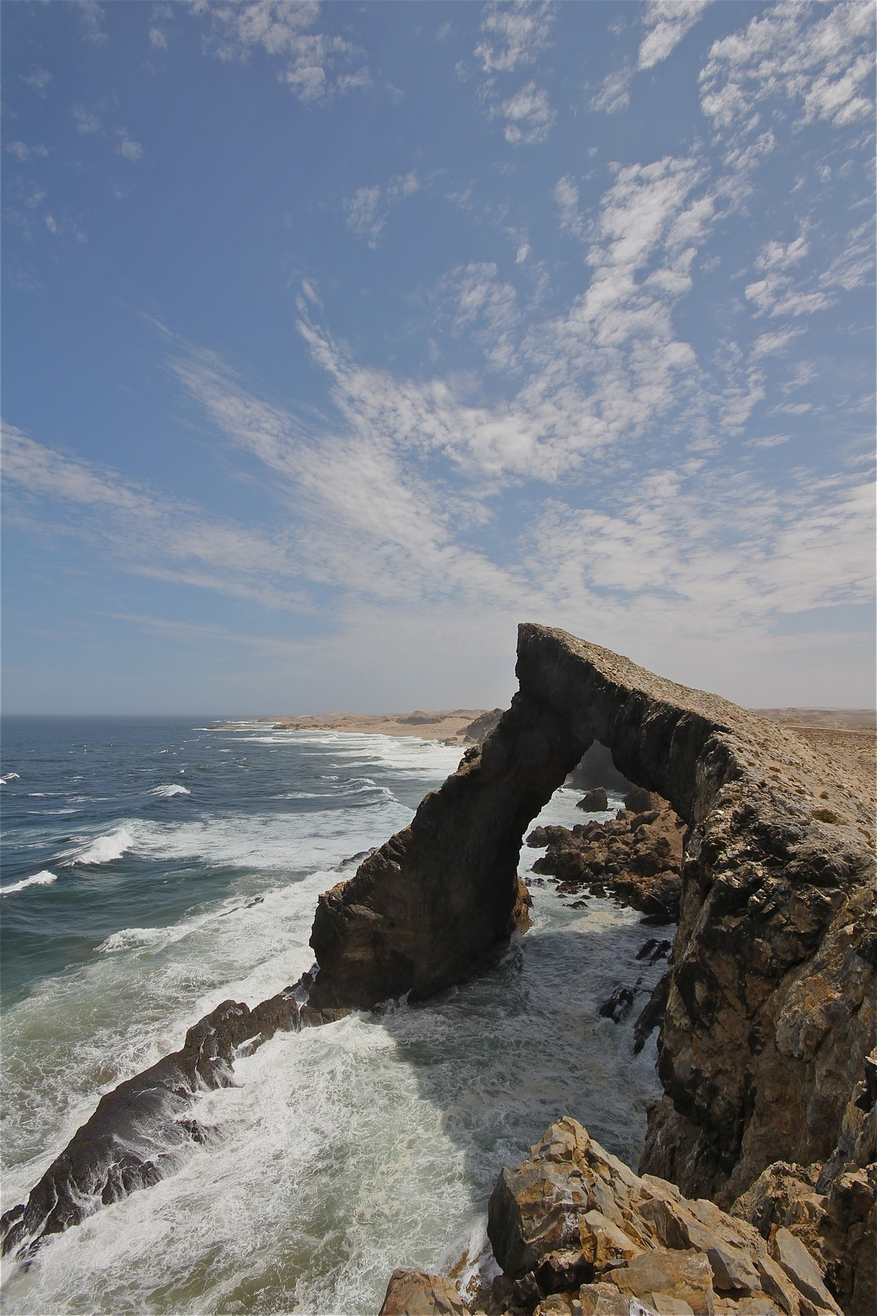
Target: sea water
<point>151,869</point>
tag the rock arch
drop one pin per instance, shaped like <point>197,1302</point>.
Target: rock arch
<point>770,1007</point>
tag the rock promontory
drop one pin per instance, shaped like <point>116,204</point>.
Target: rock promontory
<point>770,1005</point>
<point>765,1052</point>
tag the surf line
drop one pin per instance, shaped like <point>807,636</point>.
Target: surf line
<point>142,1130</point>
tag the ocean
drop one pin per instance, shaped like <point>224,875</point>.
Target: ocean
<point>154,867</point>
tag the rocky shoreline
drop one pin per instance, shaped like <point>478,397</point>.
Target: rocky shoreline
<point>576,1233</point>
<point>765,1049</point>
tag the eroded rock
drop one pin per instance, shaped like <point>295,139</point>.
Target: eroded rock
<point>141,1129</point>
<point>575,1229</point>
<point>635,857</point>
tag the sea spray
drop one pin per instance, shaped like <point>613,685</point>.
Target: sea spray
<point>339,1152</point>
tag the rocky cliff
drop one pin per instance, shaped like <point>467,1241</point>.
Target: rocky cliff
<point>770,1003</point>
<point>770,992</point>
<point>576,1233</point>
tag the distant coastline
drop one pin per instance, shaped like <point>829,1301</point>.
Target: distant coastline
<point>449,725</point>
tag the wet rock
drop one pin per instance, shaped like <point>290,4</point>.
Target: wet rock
<point>651,1014</point>
<point>635,858</point>
<point>596,801</point>
<point>141,1129</point>
<point>619,1005</point>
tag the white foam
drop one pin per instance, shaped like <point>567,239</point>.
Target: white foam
<point>104,849</point>
<point>167,792</point>
<point>9,776</point>
<point>340,1152</point>
<point>130,938</point>
<point>45,878</point>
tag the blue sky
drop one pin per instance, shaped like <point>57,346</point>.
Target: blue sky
<point>340,338</point>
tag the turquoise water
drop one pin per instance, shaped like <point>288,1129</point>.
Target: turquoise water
<point>153,868</point>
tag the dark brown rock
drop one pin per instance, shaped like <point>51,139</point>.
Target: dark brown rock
<point>596,801</point>
<point>638,800</point>
<point>635,858</point>
<point>140,1130</point>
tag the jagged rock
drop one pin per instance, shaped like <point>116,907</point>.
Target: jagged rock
<point>140,1129</point>
<point>661,1273</point>
<point>835,1226</point>
<point>476,732</point>
<point>770,1004</point>
<point>802,1270</point>
<point>635,857</point>
<point>619,1005</point>
<point>573,1225</point>
<point>651,1014</point>
<point>596,801</point>
<point>414,1293</point>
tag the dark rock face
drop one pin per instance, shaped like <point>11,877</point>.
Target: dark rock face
<point>436,902</point>
<point>139,1131</point>
<point>770,992</point>
<point>595,801</point>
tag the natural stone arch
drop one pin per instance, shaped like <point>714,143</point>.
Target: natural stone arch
<point>437,900</point>
<point>771,1003</point>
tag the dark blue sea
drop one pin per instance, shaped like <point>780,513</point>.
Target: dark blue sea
<point>154,867</point>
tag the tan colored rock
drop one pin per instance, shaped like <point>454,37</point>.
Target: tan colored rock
<point>603,1243</point>
<point>681,1273</point>
<point>665,1304</point>
<point>603,1300</point>
<point>414,1293</point>
<point>802,1270</point>
<point>556,1304</point>
<point>650,1244</point>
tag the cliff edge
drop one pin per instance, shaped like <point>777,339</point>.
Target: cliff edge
<point>770,1004</point>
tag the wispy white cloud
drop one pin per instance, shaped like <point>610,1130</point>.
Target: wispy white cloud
<point>23,152</point>
<point>667,22</point>
<point>158,38</point>
<point>86,120</point>
<point>513,34</point>
<point>148,533</point>
<point>528,115</point>
<point>368,208</point>
<point>784,289</point>
<point>91,14</point>
<point>614,92</point>
<point>37,79</point>
<point>127,147</point>
<point>566,195</point>
<point>314,65</point>
<point>484,305</point>
<point>820,64</point>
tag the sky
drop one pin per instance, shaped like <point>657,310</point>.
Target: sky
<point>341,338</point>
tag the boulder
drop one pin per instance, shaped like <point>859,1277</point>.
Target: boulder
<point>414,1293</point>
<point>573,1224</point>
<point>596,801</point>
